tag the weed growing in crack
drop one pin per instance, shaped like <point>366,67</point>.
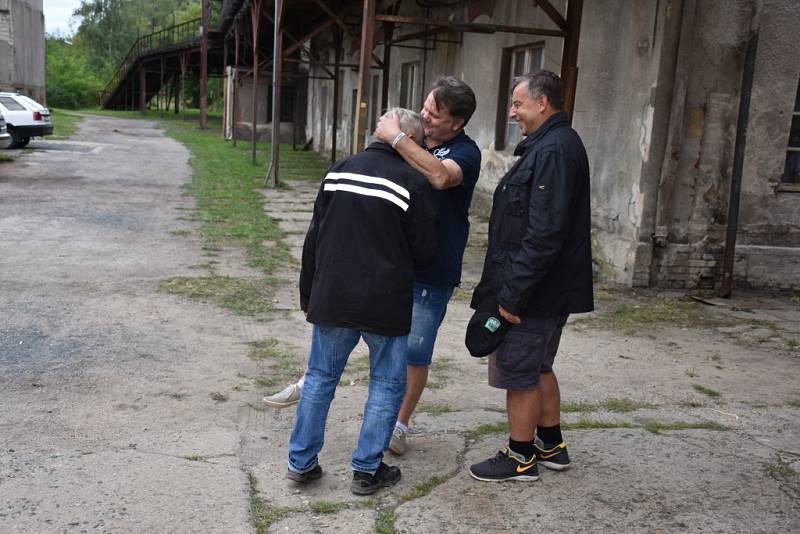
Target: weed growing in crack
<point>384,524</point>
<point>706,391</point>
<point>423,488</point>
<point>262,513</point>
<point>435,409</point>
<point>656,428</point>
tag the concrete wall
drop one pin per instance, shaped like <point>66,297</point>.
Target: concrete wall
<point>22,48</point>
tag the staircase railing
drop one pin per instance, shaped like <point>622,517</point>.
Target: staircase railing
<point>174,35</point>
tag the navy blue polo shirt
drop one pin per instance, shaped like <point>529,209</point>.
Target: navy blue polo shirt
<point>452,206</point>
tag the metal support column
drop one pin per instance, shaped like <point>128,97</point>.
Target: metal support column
<point>255,18</point>
<point>365,61</point>
<point>161,90</point>
<point>235,83</point>
<point>569,59</point>
<point>388,32</point>
<point>277,73</point>
<point>204,65</point>
<point>337,58</point>
<point>142,88</point>
<point>184,61</point>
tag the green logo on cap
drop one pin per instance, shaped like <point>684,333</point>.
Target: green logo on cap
<point>492,324</point>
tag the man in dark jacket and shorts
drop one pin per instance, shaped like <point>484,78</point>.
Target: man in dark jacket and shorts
<point>373,224</point>
<point>538,270</point>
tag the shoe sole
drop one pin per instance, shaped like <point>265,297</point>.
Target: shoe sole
<point>554,466</point>
<point>357,490</point>
<point>523,478</point>
<point>397,450</point>
<point>274,404</point>
<point>303,477</point>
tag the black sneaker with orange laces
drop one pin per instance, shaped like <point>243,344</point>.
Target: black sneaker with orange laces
<point>552,456</point>
<point>506,465</point>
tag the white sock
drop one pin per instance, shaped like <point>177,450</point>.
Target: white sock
<point>401,426</point>
<point>301,381</point>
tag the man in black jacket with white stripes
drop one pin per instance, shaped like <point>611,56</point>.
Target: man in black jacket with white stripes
<point>373,223</point>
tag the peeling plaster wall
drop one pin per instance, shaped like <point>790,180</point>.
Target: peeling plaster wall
<point>614,115</point>
<point>768,238</point>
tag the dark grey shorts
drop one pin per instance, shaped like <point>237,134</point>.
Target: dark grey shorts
<point>527,351</point>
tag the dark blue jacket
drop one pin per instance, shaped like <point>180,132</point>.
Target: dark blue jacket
<point>539,260</point>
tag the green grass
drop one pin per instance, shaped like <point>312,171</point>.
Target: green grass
<point>64,124</point>
<point>4,158</point>
<point>284,364</point>
<point>633,318</point>
<point>485,430</point>
<point>779,470</point>
<point>434,409</point>
<point>439,372</point>
<point>194,458</point>
<point>384,524</point>
<point>423,488</point>
<point>330,507</point>
<point>618,405</point>
<point>244,296</point>
<point>593,424</point>
<point>794,403</point>
<point>706,391</point>
<point>262,513</point>
<point>656,428</point>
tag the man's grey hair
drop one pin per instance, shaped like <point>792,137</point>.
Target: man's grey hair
<point>410,122</point>
<point>543,83</point>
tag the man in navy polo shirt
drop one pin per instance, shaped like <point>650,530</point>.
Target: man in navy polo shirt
<point>451,162</point>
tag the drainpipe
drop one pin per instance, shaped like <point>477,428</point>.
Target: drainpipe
<point>738,165</point>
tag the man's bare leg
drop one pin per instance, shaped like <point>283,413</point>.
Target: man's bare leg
<point>524,408</point>
<point>551,400</point>
<point>416,379</point>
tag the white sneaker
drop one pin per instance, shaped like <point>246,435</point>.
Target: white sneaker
<point>285,398</point>
<point>398,442</point>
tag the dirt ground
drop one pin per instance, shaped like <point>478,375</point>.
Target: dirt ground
<point>127,409</point>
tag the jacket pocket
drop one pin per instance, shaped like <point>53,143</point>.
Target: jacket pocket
<point>515,217</point>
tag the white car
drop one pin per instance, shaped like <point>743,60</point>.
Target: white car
<point>25,118</point>
<point>3,132</point>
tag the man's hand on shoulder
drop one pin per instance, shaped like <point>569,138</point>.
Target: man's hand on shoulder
<point>388,128</point>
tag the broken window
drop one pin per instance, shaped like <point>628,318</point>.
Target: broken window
<point>791,171</point>
<point>516,61</point>
<point>408,86</point>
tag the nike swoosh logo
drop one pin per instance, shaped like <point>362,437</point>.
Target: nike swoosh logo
<point>522,469</point>
<point>544,456</point>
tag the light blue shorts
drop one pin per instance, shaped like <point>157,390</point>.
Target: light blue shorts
<point>430,306</point>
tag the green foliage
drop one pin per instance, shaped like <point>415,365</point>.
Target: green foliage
<point>71,82</point>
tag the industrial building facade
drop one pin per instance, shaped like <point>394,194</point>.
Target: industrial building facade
<point>658,98</point>
<point>22,63</point>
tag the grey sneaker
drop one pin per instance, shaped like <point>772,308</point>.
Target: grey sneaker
<point>282,399</point>
<point>398,443</point>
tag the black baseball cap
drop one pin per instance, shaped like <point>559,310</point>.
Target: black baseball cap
<point>485,332</point>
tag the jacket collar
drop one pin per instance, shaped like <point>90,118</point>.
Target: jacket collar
<point>558,119</point>
<point>383,147</point>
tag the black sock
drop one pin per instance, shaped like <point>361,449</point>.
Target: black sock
<point>550,435</point>
<point>523,448</point>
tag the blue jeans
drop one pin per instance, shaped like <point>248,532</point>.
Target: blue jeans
<point>330,348</point>
<point>430,305</point>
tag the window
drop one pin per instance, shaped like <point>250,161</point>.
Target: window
<point>516,61</point>
<point>374,104</point>
<point>408,86</point>
<point>10,104</point>
<point>791,170</point>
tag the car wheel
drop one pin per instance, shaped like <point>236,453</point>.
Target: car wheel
<point>22,143</point>
<point>14,142</point>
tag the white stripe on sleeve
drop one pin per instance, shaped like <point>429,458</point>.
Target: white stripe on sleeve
<point>368,192</point>
<point>369,180</point>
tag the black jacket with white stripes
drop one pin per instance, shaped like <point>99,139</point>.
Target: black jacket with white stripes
<point>373,223</point>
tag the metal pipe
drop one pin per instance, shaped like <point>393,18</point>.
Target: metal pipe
<point>367,28</point>
<point>738,165</point>
<point>277,68</point>
<point>337,57</point>
<point>204,66</point>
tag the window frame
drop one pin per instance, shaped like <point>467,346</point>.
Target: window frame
<point>410,102</point>
<point>792,150</point>
<point>504,89</point>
